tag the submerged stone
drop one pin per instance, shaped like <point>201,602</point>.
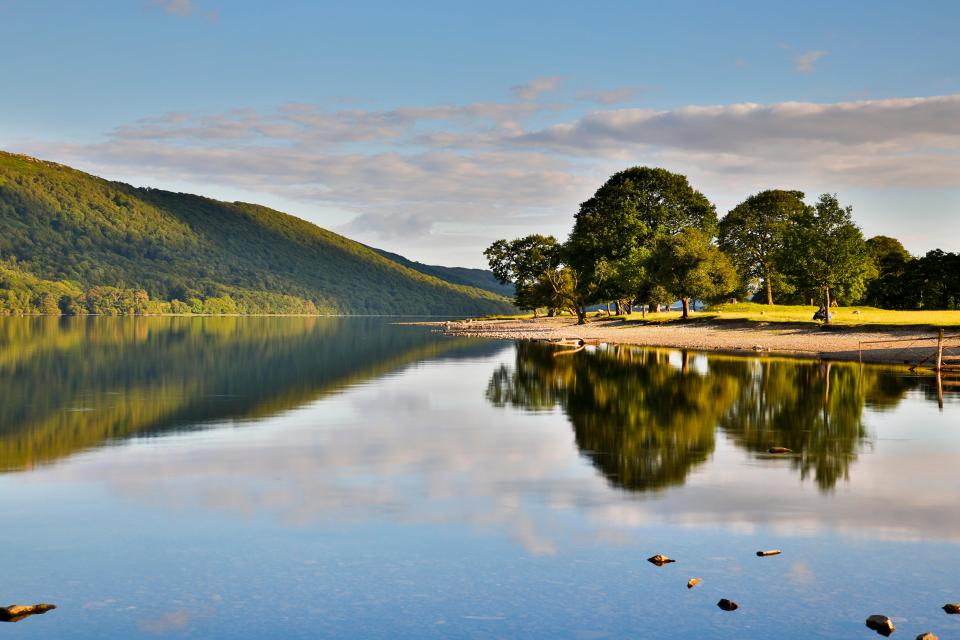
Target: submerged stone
<point>728,605</point>
<point>881,624</point>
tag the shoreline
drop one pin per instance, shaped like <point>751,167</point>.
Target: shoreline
<point>799,340</point>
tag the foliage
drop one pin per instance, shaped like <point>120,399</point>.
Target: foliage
<point>689,267</point>
<point>824,250</point>
<point>931,282</point>
<point>752,234</point>
<point>889,261</point>
<point>530,263</point>
<point>66,226</point>
<point>622,223</point>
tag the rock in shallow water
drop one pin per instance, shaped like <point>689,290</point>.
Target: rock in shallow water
<point>692,582</point>
<point>927,636</point>
<point>728,605</point>
<point>660,560</point>
<point>779,450</point>
<point>769,552</point>
<point>881,624</point>
<point>17,612</point>
<point>951,608</point>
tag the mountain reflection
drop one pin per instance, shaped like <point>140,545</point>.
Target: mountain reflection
<point>75,383</point>
<point>646,419</point>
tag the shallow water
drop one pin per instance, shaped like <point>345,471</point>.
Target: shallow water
<point>305,477</point>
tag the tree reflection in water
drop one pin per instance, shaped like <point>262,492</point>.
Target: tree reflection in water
<point>646,420</point>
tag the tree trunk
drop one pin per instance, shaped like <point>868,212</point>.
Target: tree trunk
<point>581,315</point>
<point>616,307</point>
<point>643,310</point>
<point>826,317</point>
<point>686,307</point>
<point>769,290</point>
<point>551,312</point>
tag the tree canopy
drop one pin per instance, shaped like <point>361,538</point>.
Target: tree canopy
<point>825,251</point>
<point>752,234</point>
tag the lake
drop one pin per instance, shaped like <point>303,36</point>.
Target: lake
<point>354,478</point>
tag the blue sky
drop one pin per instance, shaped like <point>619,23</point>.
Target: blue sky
<point>432,129</point>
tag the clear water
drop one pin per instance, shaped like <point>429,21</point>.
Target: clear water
<point>323,478</point>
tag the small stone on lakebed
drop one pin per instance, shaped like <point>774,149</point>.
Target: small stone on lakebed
<point>881,624</point>
<point>727,605</point>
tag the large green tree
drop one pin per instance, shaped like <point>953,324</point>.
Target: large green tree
<point>621,224</point>
<point>824,250</point>
<point>890,260</point>
<point>527,263</point>
<point>689,266</point>
<point>752,234</point>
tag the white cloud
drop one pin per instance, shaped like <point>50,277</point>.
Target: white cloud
<point>431,176</point>
<point>804,63</point>
<point>535,88</point>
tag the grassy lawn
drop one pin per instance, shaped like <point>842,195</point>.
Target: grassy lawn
<point>791,313</point>
<point>841,315</point>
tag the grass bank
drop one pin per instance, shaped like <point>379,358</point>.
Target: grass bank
<point>798,314</point>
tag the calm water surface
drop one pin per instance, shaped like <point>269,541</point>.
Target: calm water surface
<point>305,478</point>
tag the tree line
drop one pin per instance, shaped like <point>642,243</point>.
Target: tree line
<point>648,237</point>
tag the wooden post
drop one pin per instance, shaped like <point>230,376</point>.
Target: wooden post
<point>940,389</point>
<point>940,351</point>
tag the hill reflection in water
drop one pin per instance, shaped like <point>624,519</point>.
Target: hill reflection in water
<point>74,383</point>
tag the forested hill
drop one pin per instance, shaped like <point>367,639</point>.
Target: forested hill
<point>480,278</point>
<point>74,243</point>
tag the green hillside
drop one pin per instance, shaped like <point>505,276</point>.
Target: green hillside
<point>479,278</point>
<point>74,243</point>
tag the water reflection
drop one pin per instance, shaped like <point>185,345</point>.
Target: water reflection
<point>74,383</point>
<point>646,421</point>
<point>376,491</point>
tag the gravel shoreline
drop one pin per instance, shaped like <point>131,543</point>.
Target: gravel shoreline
<point>798,340</point>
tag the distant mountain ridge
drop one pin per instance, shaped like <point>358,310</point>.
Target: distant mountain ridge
<point>479,278</point>
<point>74,243</point>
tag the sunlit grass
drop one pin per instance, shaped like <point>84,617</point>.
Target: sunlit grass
<point>750,311</point>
